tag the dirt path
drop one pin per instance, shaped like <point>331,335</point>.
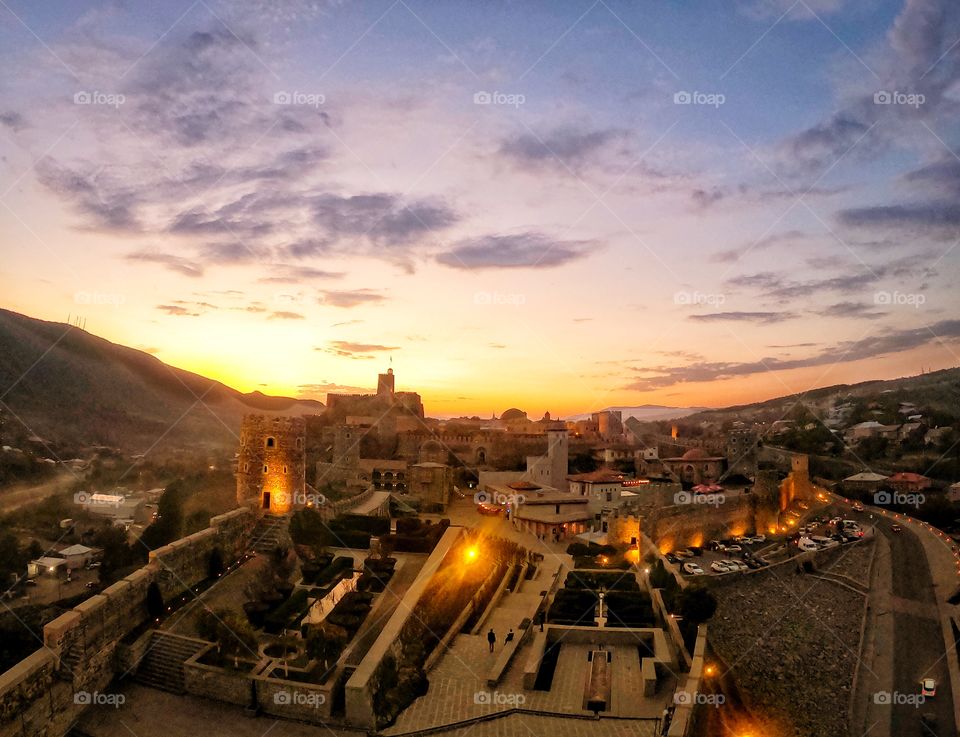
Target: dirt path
<point>19,495</point>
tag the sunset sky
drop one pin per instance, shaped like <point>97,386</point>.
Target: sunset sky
<point>552,205</point>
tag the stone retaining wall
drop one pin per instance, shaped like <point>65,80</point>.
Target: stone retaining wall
<point>80,647</point>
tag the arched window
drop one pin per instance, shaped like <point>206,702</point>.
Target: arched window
<point>284,469</point>
<point>271,442</point>
<point>266,468</point>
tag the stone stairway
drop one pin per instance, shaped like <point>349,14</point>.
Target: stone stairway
<point>268,532</point>
<point>162,666</point>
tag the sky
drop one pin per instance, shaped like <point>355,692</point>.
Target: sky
<point>559,206</point>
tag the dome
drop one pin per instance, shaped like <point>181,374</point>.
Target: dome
<point>694,454</point>
<point>513,414</point>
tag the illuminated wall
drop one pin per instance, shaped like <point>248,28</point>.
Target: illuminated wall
<point>271,468</point>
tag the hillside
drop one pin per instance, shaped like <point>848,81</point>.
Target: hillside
<point>75,389</point>
<point>645,412</point>
<point>937,392</point>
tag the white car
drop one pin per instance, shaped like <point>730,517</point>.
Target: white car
<point>692,569</point>
<point>928,688</point>
<point>736,565</point>
<point>733,549</point>
<point>807,545</point>
<point>759,539</point>
<point>718,566</point>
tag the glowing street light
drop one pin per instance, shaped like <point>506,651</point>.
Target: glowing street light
<point>471,554</point>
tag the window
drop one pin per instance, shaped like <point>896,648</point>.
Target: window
<point>246,467</point>
<point>285,470</point>
<point>266,468</point>
<point>299,443</point>
<point>271,442</point>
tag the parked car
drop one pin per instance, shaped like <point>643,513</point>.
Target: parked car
<point>928,688</point>
<point>759,538</point>
<point>895,528</point>
<point>753,564</point>
<point>692,569</point>
<point>732,549</point>
<point>683,553</point>
<point>718,566</point>
<point>807,545</point>
<point>696,550</point>
<point>672,558</point>
<point>858,507</point>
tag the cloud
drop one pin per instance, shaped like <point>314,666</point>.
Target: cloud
<point>885,343</point>
<point>565,148</point>
<point>734,254</point>
<point>382,218</point>
<point>762,318</point>
<point>523,250</point>
<point>178,311</point>
<point>346,322</point>
<point>292,274</point>
<point>12,120</point>
<point>174,263</point>
<point>109,205</point>
<point>285,315</point>
<point>309,390</point>
<point>931,216</point>
<point>349,298</point>
<point>852,309</point>
<point>349,349</point>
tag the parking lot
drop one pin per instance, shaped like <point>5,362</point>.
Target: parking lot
<point>735,555</point>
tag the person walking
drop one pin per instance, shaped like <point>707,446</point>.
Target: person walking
<point>491,638</point>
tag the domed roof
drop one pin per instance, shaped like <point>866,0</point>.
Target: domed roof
<point>694,454</point>
<point>513,414</point>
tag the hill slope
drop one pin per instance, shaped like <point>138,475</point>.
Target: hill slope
<point>73,388</point>
<point>645,412</point>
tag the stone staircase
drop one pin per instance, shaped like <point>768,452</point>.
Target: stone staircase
<point>162,666</point>
<point>268,532</point>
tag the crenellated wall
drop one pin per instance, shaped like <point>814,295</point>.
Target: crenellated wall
<point>79,651</point>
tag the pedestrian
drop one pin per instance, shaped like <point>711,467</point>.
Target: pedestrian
<point>543,616</point>
<point>491,638</point>
<point>509,637</point>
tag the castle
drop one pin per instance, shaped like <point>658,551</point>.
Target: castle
<point>271,467</point>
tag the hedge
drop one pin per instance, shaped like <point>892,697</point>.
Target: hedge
<point>293,608</point>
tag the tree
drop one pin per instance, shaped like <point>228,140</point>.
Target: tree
<point>155,605</point>
<point>116,552</point>
<point>696,604</point>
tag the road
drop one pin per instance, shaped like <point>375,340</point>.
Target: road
<point>918,637</point>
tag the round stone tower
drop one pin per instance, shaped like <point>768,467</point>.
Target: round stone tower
<point>271,468</point>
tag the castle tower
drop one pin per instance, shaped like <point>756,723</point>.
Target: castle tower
<point>271,467</point>
<point>385,385</point>
<point>558,455</point>
<point>346,446</point>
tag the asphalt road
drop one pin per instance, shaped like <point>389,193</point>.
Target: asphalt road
<point>918,646</point>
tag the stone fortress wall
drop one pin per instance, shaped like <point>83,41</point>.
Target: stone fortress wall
<point>80,650</point>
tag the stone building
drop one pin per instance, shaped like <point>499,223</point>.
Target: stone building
<point>695,467</point>
<point>271,466</point>
<point>742,446</point>
<point>432,483</point>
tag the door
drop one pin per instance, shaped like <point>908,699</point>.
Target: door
<point>266,500</point>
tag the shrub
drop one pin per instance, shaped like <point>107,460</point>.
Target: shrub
<point>573,606</point>
<point>284,615</point>
<point>629,609</point>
